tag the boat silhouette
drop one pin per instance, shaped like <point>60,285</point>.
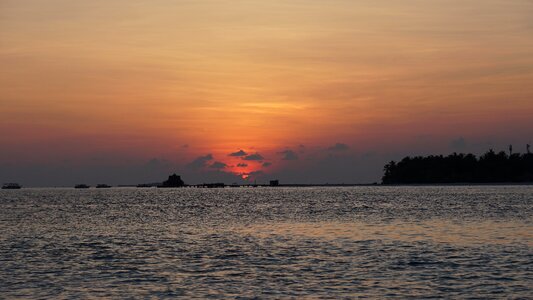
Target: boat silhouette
<point>11,186</point>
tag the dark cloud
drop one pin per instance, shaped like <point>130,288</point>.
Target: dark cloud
<point>255,175</point>
<point>255,156</point>
<point>185,146</point>
<point>339,147</point>
<point>242,165</point>
<point>458,144</point>
<point>348,168</point>
<point>239,153</point>
<point>267,164</point>
<point>289,155</point>
<point>301,148</point>
<point>200,161</point>
<point>212,175</point>
<point>157,162</point>
<point>218,165</point>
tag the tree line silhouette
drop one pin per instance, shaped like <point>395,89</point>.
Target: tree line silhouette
<point>490,167</point>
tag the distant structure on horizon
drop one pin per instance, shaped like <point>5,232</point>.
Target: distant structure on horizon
<point>11,186</point>
<point>211,185</point>
<point>274,182</point>
<point>490,167</point>
<point>172,181</point>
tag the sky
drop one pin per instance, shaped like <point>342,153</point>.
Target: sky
<point>304,91</point>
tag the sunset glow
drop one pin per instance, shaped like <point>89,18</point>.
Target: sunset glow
<point>120,83</point>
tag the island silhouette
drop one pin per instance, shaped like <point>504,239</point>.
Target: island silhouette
<point>491,167</point>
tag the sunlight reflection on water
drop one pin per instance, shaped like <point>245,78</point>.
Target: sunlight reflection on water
<point>436,231</point>
<point>287,242</point>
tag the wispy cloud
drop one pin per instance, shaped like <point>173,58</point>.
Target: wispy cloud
<point>254,157</point>
<point>289,155</point>
<point>218,165</point>
<point>339,147</point>
<point>458,144</point>
<point>238,153</point>
<point>200,161</point>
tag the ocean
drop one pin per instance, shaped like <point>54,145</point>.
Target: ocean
<point>308,242</point>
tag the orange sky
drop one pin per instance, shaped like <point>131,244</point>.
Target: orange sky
<point>142,79</point>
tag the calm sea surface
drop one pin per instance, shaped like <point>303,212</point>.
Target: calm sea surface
<point>376,242</point>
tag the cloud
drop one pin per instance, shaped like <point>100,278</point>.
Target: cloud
<point>238,153</point>
<point>458,144</point>
<point>156,163</point>
<point>289,155</point>
<point>200,161</point>
<point>211,175</point>
<point>242,165</point>
<point>255,156</point>
<point>255,175</point>
<point>218,165</point>
<point>267,164</point>
<point>339,147</point>
<point>347,168</point>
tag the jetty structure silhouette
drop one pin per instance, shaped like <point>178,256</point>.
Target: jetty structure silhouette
<point>175,181</point>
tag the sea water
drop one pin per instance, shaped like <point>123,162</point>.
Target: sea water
<point>323,242</point>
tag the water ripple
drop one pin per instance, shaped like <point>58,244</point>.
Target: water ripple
<point>380,242</point>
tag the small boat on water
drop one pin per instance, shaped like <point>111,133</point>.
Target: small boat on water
<point>102,186</point>
<point>81,186</point>
<point>11,186</point>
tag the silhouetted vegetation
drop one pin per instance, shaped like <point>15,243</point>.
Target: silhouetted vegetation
<point>490,167</point>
